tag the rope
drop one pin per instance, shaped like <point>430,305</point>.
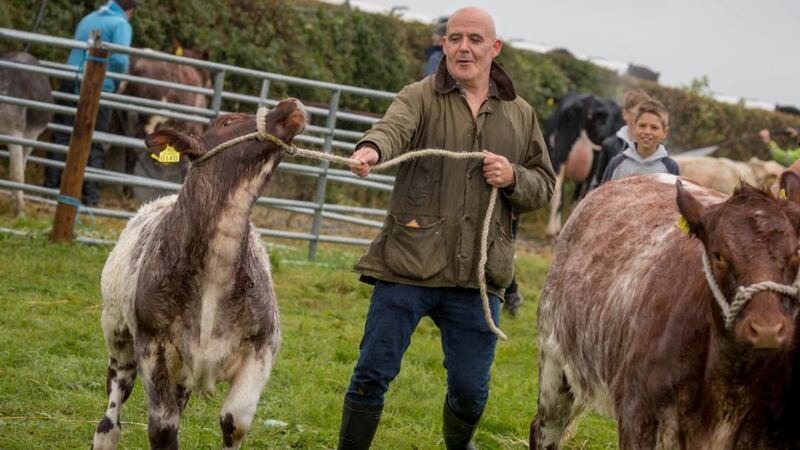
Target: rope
<point>262,135</point>
<point>745,293</point>
<point>75,203</point>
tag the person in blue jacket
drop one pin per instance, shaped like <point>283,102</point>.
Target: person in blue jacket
<point>112,21</point>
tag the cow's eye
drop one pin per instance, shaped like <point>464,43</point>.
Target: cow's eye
<point>717,257</point>
<point>227,122</point>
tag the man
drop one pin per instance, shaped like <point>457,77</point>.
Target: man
<point>112,22</point>
<point>425,260</point>
<point>785,157</point>
<point>433,54</point>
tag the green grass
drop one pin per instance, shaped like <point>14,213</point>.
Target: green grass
<point>53,361</point>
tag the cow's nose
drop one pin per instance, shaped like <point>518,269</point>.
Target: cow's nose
<point>765,334</point>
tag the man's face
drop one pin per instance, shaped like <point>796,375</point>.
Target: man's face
<point>470,46</point>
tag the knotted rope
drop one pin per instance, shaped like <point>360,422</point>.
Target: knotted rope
<point>262,135</point>
<point>745,293</point>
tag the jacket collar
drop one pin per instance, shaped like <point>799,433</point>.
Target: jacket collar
<point>500,84</point>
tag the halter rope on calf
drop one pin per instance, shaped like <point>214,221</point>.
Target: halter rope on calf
<point>262,135</point>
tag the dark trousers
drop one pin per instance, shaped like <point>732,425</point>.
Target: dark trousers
<point>97,157</point>
<point>467,343</point>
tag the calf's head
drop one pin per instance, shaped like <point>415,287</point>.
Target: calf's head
<point>285,121</point>
<point>751,238</point>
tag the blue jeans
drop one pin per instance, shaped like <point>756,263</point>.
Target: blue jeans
<point>467,343</point>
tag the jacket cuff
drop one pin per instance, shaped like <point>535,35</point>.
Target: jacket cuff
<point>374,145</point>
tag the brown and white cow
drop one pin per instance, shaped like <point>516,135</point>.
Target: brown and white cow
<point>188,299</point>
<point>629,325</point>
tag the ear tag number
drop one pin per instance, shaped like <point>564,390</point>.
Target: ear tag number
<point>683,224</point>
<point>167,156</point>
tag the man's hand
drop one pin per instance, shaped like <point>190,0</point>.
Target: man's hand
<point>764,135</point>
<point>497,170</point>
<point>792,132</point>
<point>368,157</point>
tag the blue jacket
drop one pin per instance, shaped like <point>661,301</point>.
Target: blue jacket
<point>111,21</point>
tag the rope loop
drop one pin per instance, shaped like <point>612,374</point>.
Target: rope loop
<point>730,311</point>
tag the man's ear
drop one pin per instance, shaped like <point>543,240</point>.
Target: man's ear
<point>691,209</point>
<point>186,145</point>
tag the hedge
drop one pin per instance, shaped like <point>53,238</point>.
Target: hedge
<point>340,44</point>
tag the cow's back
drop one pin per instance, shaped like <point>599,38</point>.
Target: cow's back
<point>26,85</point>
<point>621,262</point>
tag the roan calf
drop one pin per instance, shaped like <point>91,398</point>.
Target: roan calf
<point>687,339</point>
<point>188,299</point>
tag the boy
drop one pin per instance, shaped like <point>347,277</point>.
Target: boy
<point>614,145</point>
<point>647,155</point>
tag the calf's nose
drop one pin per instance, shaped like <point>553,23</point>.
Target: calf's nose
<point>767,334</point>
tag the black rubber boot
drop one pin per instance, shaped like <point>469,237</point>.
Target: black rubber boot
<point>359,423</point>
<point>512,302</point>
<point>457,433</point>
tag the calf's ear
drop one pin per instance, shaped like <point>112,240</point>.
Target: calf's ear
<point>790,186</point>
<point>691,209</point>
<point>186,145</point>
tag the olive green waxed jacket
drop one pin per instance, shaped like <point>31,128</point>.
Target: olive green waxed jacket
<point>431,236</point>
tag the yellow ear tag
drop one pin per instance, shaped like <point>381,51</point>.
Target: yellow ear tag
<point>167,156</point>
<point>782,194</point>
<point>683,224</point>
<point>179,51</point>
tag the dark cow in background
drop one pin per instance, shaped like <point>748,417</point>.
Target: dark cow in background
<point>139,125</point>
<point>574,135</point>
<point>20,121</point>
<point>630,324</point>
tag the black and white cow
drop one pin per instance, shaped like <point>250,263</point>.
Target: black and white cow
<point>574,135</point>
<point>19,121</point>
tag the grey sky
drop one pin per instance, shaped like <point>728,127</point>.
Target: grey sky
<point>745,48</point>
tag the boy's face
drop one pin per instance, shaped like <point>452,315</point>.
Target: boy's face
<point>629,114</point>
<point>649,131</point>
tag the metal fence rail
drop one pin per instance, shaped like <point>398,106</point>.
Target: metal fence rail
<point>329,137</point>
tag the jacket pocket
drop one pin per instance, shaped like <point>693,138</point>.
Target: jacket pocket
<point>500,260</point>
<point>416,253</point>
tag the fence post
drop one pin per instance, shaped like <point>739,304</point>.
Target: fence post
<point>80,141</point>
<point>322,181</point>
<point>262,98</point>
<point>219,84</point>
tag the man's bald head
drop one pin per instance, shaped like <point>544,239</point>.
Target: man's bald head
<point>476,16</point>
<point>470,47</point>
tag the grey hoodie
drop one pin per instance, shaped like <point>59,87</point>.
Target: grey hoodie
<point>629,163</point>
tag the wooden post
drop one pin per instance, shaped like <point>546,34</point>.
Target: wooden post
<point>81,140</point>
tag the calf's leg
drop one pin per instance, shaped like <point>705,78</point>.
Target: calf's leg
<point>240,404</point>
<point>557,406</point>
<point>163,406</point>
<point>17,173</point>
<point>119,384</point>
